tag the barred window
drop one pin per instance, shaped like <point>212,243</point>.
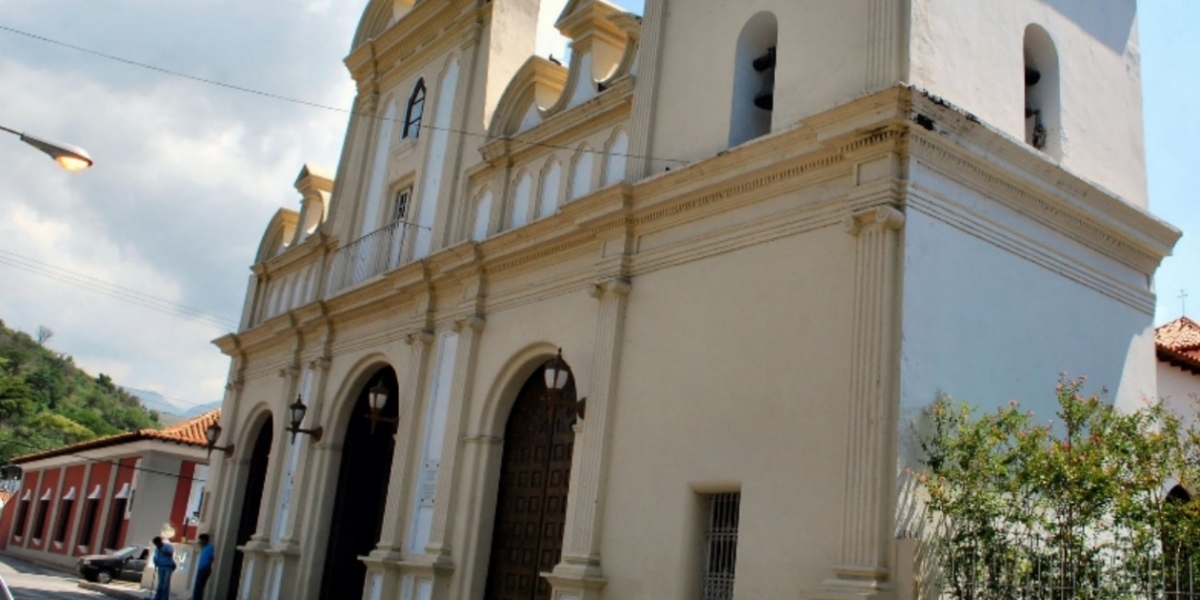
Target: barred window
<point>720,546</point>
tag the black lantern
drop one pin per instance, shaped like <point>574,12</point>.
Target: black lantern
<point>558,374</point>
<point>211,435</point>
<point>377,399</point>
<point>298,410</point>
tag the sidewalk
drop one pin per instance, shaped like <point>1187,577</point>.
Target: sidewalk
<point>124,590</point>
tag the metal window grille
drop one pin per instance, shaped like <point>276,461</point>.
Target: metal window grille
<point>720,546</point>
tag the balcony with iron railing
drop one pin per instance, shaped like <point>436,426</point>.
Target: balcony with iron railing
<point>369,256</point>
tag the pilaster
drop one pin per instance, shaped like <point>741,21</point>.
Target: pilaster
<point>391,537</point>
<point>469,330</point>
<point>641,122</point>
<point>874,374</point>
<point>578,576</point>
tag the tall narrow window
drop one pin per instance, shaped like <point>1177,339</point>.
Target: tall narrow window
<point>22,518</point>
<point>1043,124</point>
<point>754,79</point>
<point>720,546</point>
<point>90,510</point>
<point>403,199</point>
<point>64,518</point>
<point>113,538</point>
<point>416,110</point>
<point>39,524</point>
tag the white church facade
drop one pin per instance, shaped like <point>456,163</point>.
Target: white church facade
<point>763,234</point>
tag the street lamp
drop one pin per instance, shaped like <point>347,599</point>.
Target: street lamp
<point>377,398</point>
<point>558,374</point>
<point>211,435</point>
<point>71,158</point>
<point>298,410</point>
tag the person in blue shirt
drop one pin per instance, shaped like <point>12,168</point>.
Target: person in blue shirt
<point>164,564</point>
<point>203,567</point>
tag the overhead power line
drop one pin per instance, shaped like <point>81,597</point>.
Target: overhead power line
<point>308,103</point>
<point>115,291</point>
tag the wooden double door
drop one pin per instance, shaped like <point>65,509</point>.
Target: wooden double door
<point>531,508</point>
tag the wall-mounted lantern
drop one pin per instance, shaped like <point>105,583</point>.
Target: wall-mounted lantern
<point>297,411</point>
<point>558,374</point>
<point>377,398</point>
<point>211,435</point>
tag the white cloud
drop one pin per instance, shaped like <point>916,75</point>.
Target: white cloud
<point>187,174</point>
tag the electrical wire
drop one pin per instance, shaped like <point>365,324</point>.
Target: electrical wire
<point>308,103</point>
<point>115,291</point>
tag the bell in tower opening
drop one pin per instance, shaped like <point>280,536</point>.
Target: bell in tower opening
<point>765,64</point>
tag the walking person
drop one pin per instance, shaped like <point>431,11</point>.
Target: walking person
<point>203,567</point>
<point>164,566</point>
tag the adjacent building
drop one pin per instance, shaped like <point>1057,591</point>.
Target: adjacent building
<point>1178,345</point>
<point>107,493</point>
<point>763,235</point>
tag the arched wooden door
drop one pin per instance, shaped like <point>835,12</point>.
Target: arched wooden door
<point>531,507</point>
<point>256,480</point>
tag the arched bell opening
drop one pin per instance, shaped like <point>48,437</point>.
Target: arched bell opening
<point>365,467</point>
<point>535,473</point>
<point>256,479</point>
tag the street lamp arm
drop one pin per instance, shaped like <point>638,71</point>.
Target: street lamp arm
<point>68,156</point>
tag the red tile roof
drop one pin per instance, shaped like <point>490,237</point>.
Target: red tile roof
<point>1178,343</point>
<point>186,433</point>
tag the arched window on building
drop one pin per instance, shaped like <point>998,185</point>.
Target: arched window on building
<point>415,110</point>
<point>754,79</point>
<point>483,215</point>
<point>581,173</point>
<point>614,161</point>
<point>551,184</point>
<point>1043,109</point>
<point>522,201</point>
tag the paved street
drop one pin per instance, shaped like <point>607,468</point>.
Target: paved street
<point>31,582</point>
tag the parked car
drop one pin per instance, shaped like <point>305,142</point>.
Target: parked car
<point>126,563</point>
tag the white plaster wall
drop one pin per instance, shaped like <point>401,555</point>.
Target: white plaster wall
<point>970,52</point>
<point>984,325</point>
<point>724,378</point>
<point>154,495</point>
<point>821,63</point>
<point>1180,390</point>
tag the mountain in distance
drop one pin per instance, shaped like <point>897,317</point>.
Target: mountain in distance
<point>157,402</point>
<point>200,409</point>
<point>170,412</point>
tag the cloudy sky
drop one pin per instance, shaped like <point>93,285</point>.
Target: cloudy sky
<point>188,174</point>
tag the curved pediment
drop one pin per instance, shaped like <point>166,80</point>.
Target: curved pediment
<point>377,17</point>
<point>278,234</point>
<point>536,86</point>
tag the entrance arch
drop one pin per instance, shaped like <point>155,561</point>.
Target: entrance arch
<point>362,482</point>
<point>531,504</point>
<point>256,479</point>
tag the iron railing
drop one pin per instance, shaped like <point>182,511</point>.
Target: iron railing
<point>1109,566</point>
<point>373,254</point>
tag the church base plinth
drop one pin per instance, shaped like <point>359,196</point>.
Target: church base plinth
<point>576,580</point>
<point>855,582</point>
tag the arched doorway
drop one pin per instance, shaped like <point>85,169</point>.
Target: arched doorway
<point>531,505</point>
<point>362,483</point>
<point>256,479</point>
